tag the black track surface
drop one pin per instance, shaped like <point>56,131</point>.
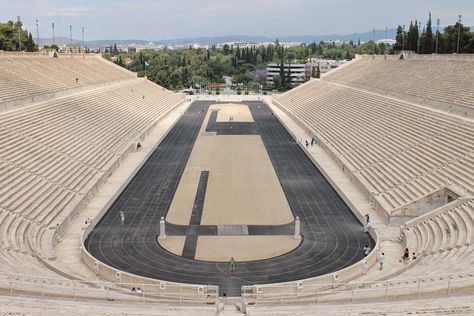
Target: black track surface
<point>332,237</point>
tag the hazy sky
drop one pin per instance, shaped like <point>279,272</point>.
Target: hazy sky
<point>164,19</point>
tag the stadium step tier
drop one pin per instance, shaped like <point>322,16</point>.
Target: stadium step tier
<point>54,154</point>
<point>398,153</point>
<point>30,76</point>
<point>436,81</point>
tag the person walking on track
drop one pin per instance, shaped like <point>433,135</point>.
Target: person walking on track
<point>232,265</point>
<point>122,218</point>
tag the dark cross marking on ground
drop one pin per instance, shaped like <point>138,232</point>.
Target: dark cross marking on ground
<point>230,128</point>
<point>190,244</point>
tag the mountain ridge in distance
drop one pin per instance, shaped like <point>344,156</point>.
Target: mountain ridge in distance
<point>211,40</point>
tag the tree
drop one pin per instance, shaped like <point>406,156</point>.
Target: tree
<point>282,72</point>
<point>318,72</point>
<point>260,76</point>
<point>450,38</point>
<point>412,37</point>
<point>277,84</point>
<point>399,39</point>
<point>9,41</point>
<point>30,44</point>
<point>226,49</point>
<point>290,57</point>
<point>426,41</point>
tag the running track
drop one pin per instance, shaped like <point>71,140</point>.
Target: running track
<point>332,236</point>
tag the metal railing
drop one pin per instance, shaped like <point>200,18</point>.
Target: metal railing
<point>393,289</point>
<point>23,285</point>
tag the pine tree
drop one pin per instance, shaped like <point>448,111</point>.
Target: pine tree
<point>399,39</point>
<point>288,75</point>
<point>30,44</point>
<point>409,38</point>
<point>318,72</point>
<point>290,59</point>
<point>282,71</point>
<point>426,41</point>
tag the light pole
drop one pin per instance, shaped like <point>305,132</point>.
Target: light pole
<point>437,35</point>
<point>54,40</point>
<point>70,33</point>
<point>419,36</point>
<point>373,38</point>
<point>37,35</point>
<point>19,33</point>
<point>386,41</point>
<point>403,38</point>
<point>83,44</point>
<point>459,31</point>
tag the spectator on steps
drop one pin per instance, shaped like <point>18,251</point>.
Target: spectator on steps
<point>368,226</point>
<point>406,256</point>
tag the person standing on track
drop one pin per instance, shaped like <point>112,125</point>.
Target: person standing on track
<point>122,218</point>
<point>232,266</point>
<point>366,250</point>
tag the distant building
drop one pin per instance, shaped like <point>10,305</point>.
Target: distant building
<point>297,72</point>
<point>324,65</point>
<point>386,41</point>
<point>335,42</point>
<point>301,73</point>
